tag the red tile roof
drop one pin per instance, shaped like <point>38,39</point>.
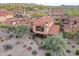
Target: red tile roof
<point>54,29</point>
<point>43,20</point>
<point>18,21</point>
<point>4,13</point>
<point>74,18</point>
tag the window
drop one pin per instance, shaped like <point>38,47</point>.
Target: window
<point>75,22</point>
<point>62,28</point>
<point>38,28</point>
<point>31,23</point>
<point>57,19</point>
<point>65,21</point>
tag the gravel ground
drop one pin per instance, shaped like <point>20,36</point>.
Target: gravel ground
<point>24,46</point>
<point>20,46</point>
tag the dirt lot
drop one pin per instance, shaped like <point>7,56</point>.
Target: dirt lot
<point>21,48</point>
<point>26,45</point>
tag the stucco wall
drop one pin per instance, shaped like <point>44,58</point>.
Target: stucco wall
<point>4,18</point>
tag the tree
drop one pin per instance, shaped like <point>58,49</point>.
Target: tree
<point>29,9</point>
<point>36,15</point>
<point>55,44</point>
<point>40,7</point>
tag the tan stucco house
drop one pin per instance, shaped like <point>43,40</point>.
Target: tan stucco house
<point>45,25</point>
<point>4,15</point>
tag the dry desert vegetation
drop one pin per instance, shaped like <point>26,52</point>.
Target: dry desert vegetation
<point>37,30</point>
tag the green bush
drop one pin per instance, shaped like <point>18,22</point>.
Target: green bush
<point>77,52</point>
<point>11,7</point>
<point>47,54</point>
<point>77,35</point>
<point>8,7</point>
<point>7,47</point>
<point>29,8</point>
<point>34,52</point>
<point>69,35</point>
<point>36,15</point>
<point>72,12</point>
<point>40,7</point>
<point>20,30</point>
<point>54,43</point>
<point>6,27</point>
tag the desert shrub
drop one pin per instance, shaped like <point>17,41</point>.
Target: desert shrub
<point>77,52</point>
<point>31,43</point>
<point>25,46</point>
<point>36,15</point>
<point>69,43</point>
<point>40,7</point>
<point>77,35</point>
<point>6,27</point>
<point>20,30</point>
<point>29,37</point>
<point>29,8</point>
<point>2,40</point>
<point>9,55</point>
<point>73,46</point>
<point>47,54</point>
<point>10,36</point>
<point>77,43</point>
<point>69,35</point>
<point>34,52</point>
<point>54,43</point>
<point>17,43</point>
<point>72,12</point>
<point>29,48</point>
<point>72,35</point>
<point>68,51</point>
<point>0,37</point>
<point>7,47</point>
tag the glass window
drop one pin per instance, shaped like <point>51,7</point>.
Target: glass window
<point>38,28</point>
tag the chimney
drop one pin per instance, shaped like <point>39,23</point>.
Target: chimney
<point>46,27</point>
<point>46,24</point>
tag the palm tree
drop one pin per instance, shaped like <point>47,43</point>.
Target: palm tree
<point>55,44</point>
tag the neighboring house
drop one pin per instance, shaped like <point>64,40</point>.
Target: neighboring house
<point>69,23</point>
<point>59,14</point>
<point>21,14</point>
<point>73,24</point>
<point>45,25</point>
<point>4,15</point>
<point>18,21</point>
